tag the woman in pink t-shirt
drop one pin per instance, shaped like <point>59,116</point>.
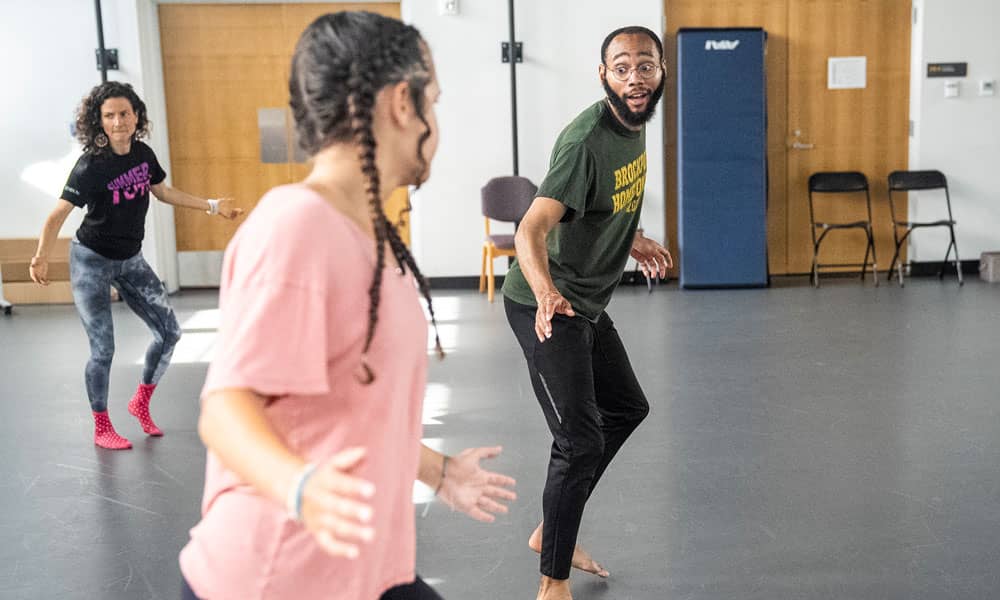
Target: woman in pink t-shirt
<point>311,411</point>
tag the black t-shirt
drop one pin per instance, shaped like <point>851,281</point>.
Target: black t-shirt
<point>115,190</point>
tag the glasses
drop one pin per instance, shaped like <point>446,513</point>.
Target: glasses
<point>645,71</point>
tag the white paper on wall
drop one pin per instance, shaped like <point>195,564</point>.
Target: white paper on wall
<point>847,72</point>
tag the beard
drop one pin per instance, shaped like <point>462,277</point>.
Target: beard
<point>629,116</point>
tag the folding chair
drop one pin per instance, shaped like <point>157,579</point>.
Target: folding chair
<point>848,182</point>
<point>908,181</point>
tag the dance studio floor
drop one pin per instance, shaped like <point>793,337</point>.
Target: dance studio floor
<point>839,443</point>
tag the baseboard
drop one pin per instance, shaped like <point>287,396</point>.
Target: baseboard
<point>460,283</point>
<point>931,269</point>
<point>472,282</point>
<point>916,269</point>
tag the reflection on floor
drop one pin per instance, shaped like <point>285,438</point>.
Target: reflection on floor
<point>832,443</point>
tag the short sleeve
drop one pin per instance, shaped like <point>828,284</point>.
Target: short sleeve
<point>274,316</point>
<point>570,177</point>
<point>76,189</point>
<point>272,340</point>
<point>156,172</point>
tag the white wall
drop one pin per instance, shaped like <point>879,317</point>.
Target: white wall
<point>957,136</point>
<point>53,66</point>
<point>50,50</point>
<point>52,46</point>
<point>558,78</point>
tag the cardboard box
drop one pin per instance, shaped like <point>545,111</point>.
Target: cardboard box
<point>19,271</point>
<point>15,261</point>
<point>989,267</point>
<point>29,292</point>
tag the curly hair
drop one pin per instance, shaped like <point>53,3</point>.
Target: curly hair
<point>340,63</point>
<point>88,114</point>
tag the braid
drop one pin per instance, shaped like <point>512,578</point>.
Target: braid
<point>341,62</point>
<point>360,105</point>
<point>404,257</point>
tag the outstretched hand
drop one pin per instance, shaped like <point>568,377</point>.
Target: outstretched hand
<point>336,505</point>
<point>653,258</point>
<point>227,210</point>
<point>469,488</point>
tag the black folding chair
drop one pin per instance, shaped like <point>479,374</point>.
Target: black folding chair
<point>908,181</point>
<point>848,182</point>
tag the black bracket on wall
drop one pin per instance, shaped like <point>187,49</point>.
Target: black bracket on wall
<point>505,52</point>
<point>110,62</point>
<point>510,52</point>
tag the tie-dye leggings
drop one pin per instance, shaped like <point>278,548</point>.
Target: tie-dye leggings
<point>92,276</point>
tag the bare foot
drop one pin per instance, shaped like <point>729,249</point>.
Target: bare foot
<point>554,589</point>
<point>581,560</point>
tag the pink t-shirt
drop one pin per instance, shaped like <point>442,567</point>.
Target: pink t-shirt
<point>294,302</point>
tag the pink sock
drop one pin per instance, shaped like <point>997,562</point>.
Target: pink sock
<point>105,435</point>
<point>139,407</point>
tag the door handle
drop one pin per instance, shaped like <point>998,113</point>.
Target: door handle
<point>801,146</point>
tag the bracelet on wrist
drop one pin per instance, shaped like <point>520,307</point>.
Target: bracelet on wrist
<point>213,206</point>
<point>444,471</point>
<point>293,501</point>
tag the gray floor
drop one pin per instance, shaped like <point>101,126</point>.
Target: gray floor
<point>835,443</point>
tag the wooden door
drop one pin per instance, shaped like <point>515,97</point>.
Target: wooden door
<point>846,129</point>
<point>772,16</point>
<point>221,63</point>
<point>864,130</point>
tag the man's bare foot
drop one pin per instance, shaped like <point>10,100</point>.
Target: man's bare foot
<point>554,589</point>
<point>581,560</point>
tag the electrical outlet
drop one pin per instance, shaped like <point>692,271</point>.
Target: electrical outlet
<point>448,8</point>
<point>952,89</point>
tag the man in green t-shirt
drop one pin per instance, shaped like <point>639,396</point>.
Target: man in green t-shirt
<point>572,247</point>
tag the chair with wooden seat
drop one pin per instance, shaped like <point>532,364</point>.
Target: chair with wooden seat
<point>842,182</point>
<point>504,199</point>
<point>909,181</point>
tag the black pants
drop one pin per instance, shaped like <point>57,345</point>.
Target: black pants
<point>592,402</point>
<point>418,590</point>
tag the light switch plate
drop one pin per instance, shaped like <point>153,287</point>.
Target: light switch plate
<point>952,89</point>
<point>987,87</point>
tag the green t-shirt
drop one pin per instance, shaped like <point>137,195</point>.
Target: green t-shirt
<point>598,170</point>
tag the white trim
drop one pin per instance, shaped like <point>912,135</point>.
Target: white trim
<point>151,58</point>
<point>916,109</point>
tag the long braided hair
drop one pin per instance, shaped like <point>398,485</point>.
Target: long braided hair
<point>341,62</point>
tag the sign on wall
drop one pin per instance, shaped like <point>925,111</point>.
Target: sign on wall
<point>847,72</point>
<point>947,69</point>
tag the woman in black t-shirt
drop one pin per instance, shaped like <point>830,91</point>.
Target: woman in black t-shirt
<point>112,180</point>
